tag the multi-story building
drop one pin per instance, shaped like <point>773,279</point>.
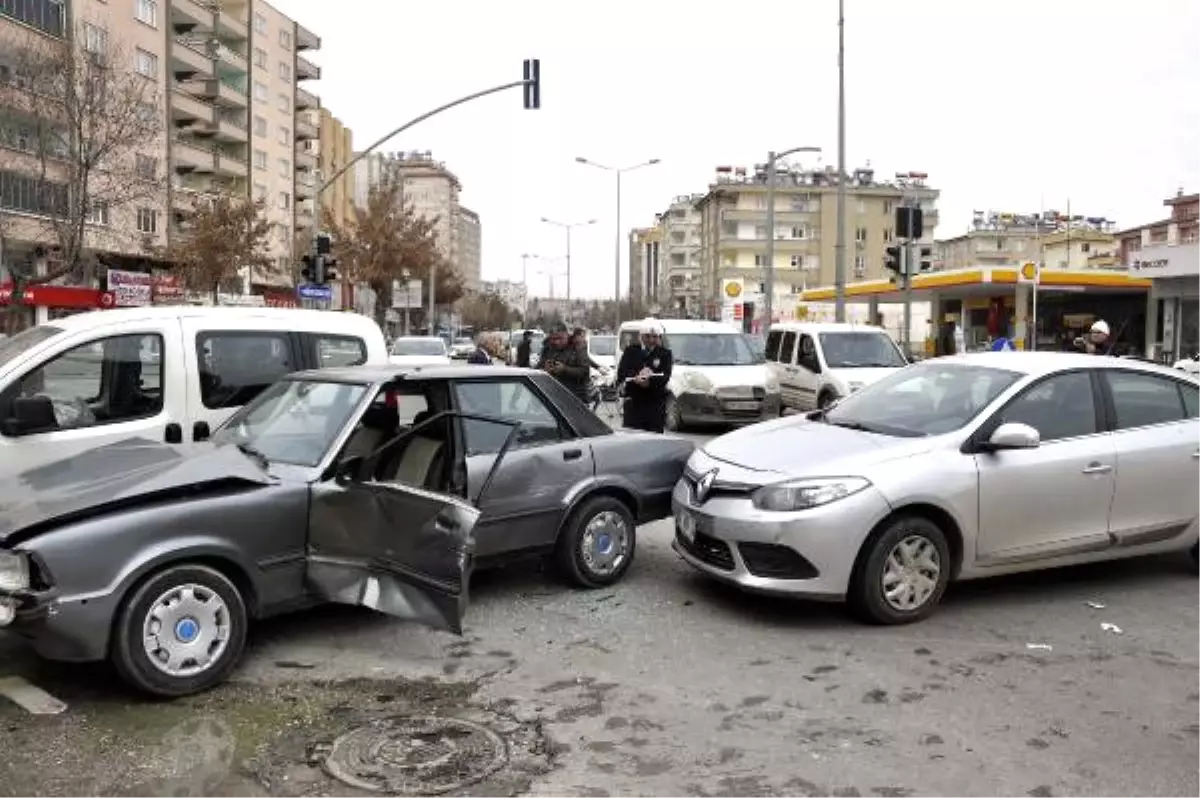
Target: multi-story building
<point>1009,239</point>
<point>644,260</point>
<point>733,228</point>
<point>679,235</point>
<point>512,292</point>
<point>469,247</point>
<point>336,150</point>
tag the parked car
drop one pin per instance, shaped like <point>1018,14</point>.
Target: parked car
<point>371,485</point>
<point>419,351</point>
<point>1189,364</point>
<point>951,469</point>
<point>716,378</point>
<point>163,373</point>
<point>603,350</point>
<point>462,348</point>
<point>817,364</point>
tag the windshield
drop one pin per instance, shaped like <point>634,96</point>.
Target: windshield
<point>12,348</point>
<point>710,349</point>
<point>293,421</point>
<point>426,347</point>
<point>855,350</point>
<point>926,399</point>
<point>603,345</point>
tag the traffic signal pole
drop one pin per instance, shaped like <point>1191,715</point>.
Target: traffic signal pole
<point>908,275</point>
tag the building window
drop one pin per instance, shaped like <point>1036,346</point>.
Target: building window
<point>146,11</point>
<point>147,220</point>
<point>888,234</point>
<point>260,91</point>
<point>887,208</point>
<point>285,201</point>
<point>760,231</point>
<point>48,16</point>
<point>95,40</point>
<point>146,63</point>
<point>147,167</point>
<point>285,39</point>
<point>285,167</point>
<point>260,159</point>
<point>799,232</point>
<point>98,214</point>
<point>797,261</point>
<point>760,260</point>
<point>285,135</point>
<point>862,206</point>
<point>260,23</point>
<point>285,71</point>
<point>260,191</point>
<point>260,126</point>
<point>260,57</point>
<point>860,235</point>
<point>860,265</point>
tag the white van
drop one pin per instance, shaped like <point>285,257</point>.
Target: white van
<point>716,379</point>
<point>817,364</point>
<point>172,374</point>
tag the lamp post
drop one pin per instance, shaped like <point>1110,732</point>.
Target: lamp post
<point>773,158</point>
<point>839,248</point>
<point>618,171</point>
<point>568,227</point>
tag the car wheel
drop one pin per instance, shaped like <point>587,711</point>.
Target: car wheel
<point>903,573</point>
<point>825,400</point>
<point>674,419</point>
<point>596,545</point>
<point>180,631</point>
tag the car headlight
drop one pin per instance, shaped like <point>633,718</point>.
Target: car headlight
<point>694,381</point>
<point>14,571</point>
<point>804,494</point>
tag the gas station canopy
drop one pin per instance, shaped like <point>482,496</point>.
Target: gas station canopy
<point>982,282</point>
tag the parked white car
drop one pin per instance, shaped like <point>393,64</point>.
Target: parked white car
<point>818,364</point>
<point>419,351</point>
<point>603,350</point>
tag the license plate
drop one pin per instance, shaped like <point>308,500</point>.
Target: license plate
<point>687,525</point>
<point>742,405</point>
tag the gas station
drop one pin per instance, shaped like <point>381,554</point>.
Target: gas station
<point>986,302</point>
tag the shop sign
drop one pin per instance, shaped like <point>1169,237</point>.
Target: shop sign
<point>1162,261</point>
<point>280,299</point>
<point>57,296</point>
<point>167,289</point>
<point>130,289</point>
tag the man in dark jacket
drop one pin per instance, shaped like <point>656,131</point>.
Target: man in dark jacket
<point>560,358</point>
<point>645,371</point>
<point>525,349</point>
<point>480,357</point>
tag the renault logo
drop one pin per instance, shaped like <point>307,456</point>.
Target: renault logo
<point>704,485</point>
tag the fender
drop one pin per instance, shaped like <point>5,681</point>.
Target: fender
<point>586,488</point>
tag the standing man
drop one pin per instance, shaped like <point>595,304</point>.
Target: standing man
<point>1096,342</point>
<point>481,356</point>
<point>645,372</point>
<point>560,358</point>
<point>524,349</point>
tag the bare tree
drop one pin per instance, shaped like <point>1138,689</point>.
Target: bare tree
<point>224,234</point>
<point>387,239</point>
<point>81,115</point>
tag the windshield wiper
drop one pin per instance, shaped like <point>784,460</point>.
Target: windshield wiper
<point>258,456</point>
<point>854,425</point>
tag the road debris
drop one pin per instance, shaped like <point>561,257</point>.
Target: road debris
<point>32,699</point>
<point>1096,605</point>
<point>1111,627</point>
<point>1039,646</point>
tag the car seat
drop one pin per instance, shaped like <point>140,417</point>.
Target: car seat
<point>378,425</point>
<point>418,460</point>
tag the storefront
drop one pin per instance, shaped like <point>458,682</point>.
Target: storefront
<point>1173,316</point>
<point>45,303</point>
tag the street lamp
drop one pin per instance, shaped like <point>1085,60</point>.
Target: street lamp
<point>772,158</point>
<point>618,171</point>
<point>839,247</point>
<point>568,226</point>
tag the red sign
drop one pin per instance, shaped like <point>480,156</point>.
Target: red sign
<point>166,288</point>
<point>280,299</point>
<point>737,311</point>
<point>56,296</point>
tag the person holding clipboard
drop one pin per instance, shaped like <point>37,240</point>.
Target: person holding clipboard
<point>644,372</point>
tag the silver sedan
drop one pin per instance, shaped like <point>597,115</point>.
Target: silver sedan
<point>952,469</point>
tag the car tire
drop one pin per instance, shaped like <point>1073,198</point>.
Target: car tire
<point>825,400</point>
<point>584,543</point>
<point>207,590</point>
<point>925,542</point>
<point>674,421</point>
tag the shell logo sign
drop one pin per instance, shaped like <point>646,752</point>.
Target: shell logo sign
<point>732,288</point>
<point>1030,272</point>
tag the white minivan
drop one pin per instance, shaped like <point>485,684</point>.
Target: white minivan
<point>716,379</point>
<point>818,364</point>
<point>166,373</point>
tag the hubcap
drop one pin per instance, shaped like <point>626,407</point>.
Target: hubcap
<point>910,573</point>
<point>605,543</point>
<point>186,630</point>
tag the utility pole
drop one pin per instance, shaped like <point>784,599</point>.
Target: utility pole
<point>908,278</point>
<point>567,226</point>
<point>839,252</point>
<point>772,158</point>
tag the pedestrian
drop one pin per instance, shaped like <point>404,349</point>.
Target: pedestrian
<point>644,372</point>
<point>524,349</point>
<point>1096,341</point>
<point>481,356</point>
<point>560,358</point>
<point>579,338</point>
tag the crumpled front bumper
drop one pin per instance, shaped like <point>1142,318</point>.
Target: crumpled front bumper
<point>709,408</point>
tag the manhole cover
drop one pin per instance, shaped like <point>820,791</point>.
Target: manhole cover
<point>416,755</point>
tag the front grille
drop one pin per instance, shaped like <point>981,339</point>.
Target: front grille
<point>707,550</point>
<point>775,562</point>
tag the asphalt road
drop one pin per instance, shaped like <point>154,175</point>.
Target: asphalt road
<point>671,685</point>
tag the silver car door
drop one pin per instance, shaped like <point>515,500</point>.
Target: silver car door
<point>1054,499</point>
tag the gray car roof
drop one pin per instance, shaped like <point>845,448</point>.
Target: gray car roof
<point>388,373</point>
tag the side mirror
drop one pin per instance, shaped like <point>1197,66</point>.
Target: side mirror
<point>201,431</point>
<point>30,414</point>
<point>1014,436</point>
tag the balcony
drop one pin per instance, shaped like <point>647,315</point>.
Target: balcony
<point>305,159</point>
<point>221,93</point>
<point>306,186</point>
<point>231,26</point>
<point>230,165</point>
<point>783,213</point>
<point>231,60</point>
<point>189,60</point>
<point>305,130</point>
<point>187,15</point>
<point>306,39</point>
<point>191,156</point>
<point>192,113</point>
<point>789,245</point>
<point>306,101</point>
<point>231,126</point>
<point>307,70</point>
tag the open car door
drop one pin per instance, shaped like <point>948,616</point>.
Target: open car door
<point>393,546</point>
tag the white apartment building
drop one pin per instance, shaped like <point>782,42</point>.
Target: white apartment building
<point>469,247</point>
<point>512,292</point>
<point>678,288</point>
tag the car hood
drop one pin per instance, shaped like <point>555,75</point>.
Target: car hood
<point>797,447</point>
<point>117,475</point>
<point>754,375</point>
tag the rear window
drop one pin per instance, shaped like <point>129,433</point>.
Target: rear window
<point>425,347</point>
<point>236,367</point>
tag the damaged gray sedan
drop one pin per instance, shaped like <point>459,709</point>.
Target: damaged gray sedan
<point>368,485</point>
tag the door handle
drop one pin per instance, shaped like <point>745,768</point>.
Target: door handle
<point>1097,468</point>
<point>572,454</point>
<point>1196,455</point>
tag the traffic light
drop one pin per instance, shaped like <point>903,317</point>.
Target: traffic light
<point>910,222</point>
<point>926,261</point>
<point>329,270</point>
<point>893,261</point>
<point>533,84</point>
<point>324,243</point>
<point>309,272</point>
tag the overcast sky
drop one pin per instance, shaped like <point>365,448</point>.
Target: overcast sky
<point>1013,102</point>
